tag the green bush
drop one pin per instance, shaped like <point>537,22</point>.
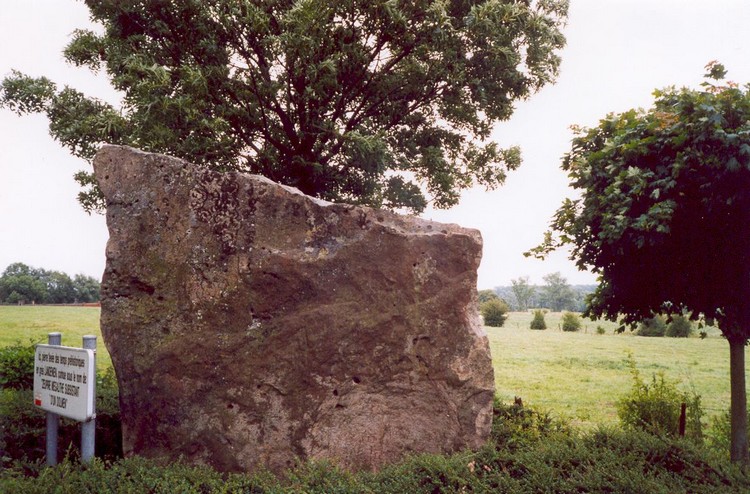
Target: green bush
<point>571,322</point>
<point>655,407</point>
<point>17,366</point>
<point>655,326</point>
<point>718,435</point>
<point>494,312</point>
<point>600,330</point>
<point>515,426</point>
<point>538,321</point>
<point>680,327</point>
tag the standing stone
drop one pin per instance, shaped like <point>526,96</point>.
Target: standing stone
<point>252,325</point>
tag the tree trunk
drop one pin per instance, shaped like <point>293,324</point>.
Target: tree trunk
<point>738,415</point>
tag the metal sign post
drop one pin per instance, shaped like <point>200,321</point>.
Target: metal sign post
<point>53,419</point>
<point>88,428</point>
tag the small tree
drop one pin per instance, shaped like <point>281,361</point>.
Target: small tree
<point>680,327</point>
<point>538,321</point>
<point>494,312</point>
<point>657,188</point>
<point>571,322</point>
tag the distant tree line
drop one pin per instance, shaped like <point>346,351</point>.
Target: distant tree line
<point>22,284</point>
<point>556,294</point>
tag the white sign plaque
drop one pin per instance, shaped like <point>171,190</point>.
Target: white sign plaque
<point>64,381</point>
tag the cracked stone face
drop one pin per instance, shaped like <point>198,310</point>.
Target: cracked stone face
<point>252,325</point>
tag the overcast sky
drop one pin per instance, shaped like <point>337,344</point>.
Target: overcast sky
<point>618,52</point>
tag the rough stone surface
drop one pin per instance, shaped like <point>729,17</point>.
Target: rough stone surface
<point>249,324</point>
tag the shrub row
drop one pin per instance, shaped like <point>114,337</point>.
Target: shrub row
<point>679,327</point>
<point>529,453</point>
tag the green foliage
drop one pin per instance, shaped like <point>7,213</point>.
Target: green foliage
<point>529,452</point>
<point>655,407</point>
<point>368,102</point>
<point>556,294</point>
<point>571,322</point>
<point>657,188</point>
<point>494,312</point>
<point>600,330</point>
<point>523,292</point>
<point>656,185</point>
<point>653,326</point>
<point>22,441</point>
<point>134,475</point>
<point>679,327</point>
<point>17,366</point>
<point>515,426</point>
<point>21,284</point>
<point>538,321</point>
<point>22,428</point>
<point>718,434</point>
<point>486,296</point>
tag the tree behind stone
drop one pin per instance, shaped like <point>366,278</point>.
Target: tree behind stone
<point>361,101</point>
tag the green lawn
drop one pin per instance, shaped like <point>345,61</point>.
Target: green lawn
<point>29,322</point>
<point>581,375</point>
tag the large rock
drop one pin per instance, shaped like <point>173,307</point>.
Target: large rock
<point>250,324</point>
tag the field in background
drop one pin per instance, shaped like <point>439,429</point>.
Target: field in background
<point>32,323</point>
<point>581,375</point>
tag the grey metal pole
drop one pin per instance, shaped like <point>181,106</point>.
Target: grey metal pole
<point>88,429</point>
<point>53,420</point>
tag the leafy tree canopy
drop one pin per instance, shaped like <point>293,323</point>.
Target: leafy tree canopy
<point>379,102</point>
<point>664,207</point>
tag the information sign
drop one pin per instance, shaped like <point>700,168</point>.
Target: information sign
<point>64,381</point>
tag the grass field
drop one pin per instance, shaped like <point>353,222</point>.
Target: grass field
<point>32,323</point>
<point>581,375</point>
<point>578,376</point>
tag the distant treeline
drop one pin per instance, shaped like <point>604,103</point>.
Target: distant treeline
<point>556,294</point>
<point>22,284</point>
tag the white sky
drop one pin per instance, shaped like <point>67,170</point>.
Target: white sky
<point>618,52</point>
